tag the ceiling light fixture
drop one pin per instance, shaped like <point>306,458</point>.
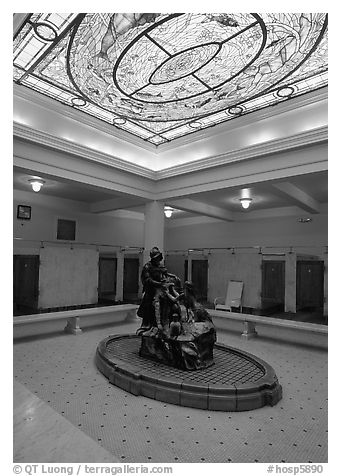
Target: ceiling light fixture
<point>168,211</point>
<point>36,184</point>
<point>245,202</point>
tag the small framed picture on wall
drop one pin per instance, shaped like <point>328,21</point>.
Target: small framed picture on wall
<point>24,212</point>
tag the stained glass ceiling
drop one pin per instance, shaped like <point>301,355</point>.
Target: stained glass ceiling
<point>162,76</point>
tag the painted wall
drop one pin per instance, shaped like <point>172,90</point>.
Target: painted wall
<point>281,231</point>
<point>90,228</point>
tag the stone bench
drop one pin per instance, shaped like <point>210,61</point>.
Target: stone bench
<point>36,324</point>
<point>250,321</point>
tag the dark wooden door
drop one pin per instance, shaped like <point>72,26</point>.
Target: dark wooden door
<point>309,285</point>
<point>199,277</point>
<point>131,279</point>
<point>25,283</point>
<point>273,285</point>
<point>107,278</point>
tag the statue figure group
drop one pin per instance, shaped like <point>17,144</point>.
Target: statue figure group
<point>181,336</point>
<point>162,292</point>
<point>160,308</point>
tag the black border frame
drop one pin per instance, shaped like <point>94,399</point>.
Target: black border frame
<point>27,209</point>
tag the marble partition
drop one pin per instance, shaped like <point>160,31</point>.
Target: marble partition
<point>245,267</point>
<point>290,282</point>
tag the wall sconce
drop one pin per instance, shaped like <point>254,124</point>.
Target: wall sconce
<point>168,211</point>
<point>36,184</point>
<point>245,202</point>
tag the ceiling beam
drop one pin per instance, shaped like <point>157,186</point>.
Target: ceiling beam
<point>200,208</point>
<point>298,197</point>
<point>115,204</point>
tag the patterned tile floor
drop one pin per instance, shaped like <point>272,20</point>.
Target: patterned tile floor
<point>60,370</point>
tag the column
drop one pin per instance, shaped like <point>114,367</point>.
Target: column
<point>325,294</point>
<point>189,267</point>
<point>119,276</point>
<point>140,289</point>
<point>154,223</point>
<point>290,282</point>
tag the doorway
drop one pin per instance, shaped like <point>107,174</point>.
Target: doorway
<point>131,279</point>
<point>107,267</point>
<point>199,278</point>
<point>273,286</point>
<point>25,284</point>
<point>309,285</point>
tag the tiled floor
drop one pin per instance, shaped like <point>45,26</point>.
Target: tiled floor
<point>60,370</point>
<point>42,433</point>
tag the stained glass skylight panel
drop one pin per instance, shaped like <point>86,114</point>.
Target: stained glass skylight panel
<point>163,76</point>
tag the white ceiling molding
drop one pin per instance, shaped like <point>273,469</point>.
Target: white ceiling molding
<point>96,124</point>
<point>270,147</point>
<point>298,196</point>
<point>33,158</point>
<point>201,208</point>
<point>122,136</point>
<point>127,214</point>
<point>268,112</point>
<point>280,166</point>
<point>275,212</point>
<point>190,221</point>
<point>62,145</point>
<point>115,204</point>
<point>79,116</point>
<point>300,140</point>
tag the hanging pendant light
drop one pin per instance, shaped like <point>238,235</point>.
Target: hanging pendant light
<point>36,184</point>
<point>245,202</point>
<point>168,212</point>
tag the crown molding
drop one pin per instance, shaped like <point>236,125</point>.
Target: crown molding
<point>24,132</point>
<point>247,119</point>
<point>64,110</point>
<point>302,139</point>
<point>48,103</point>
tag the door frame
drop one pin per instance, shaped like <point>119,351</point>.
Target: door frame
<point>16,258</point>
<point>319,263</point>
<point>103,295</point>
<point>274,303</point>
<point>136,295</point>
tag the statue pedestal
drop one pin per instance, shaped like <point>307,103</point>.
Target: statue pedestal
<point>191,350</point>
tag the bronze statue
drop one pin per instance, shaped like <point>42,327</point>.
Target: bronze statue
<point>161,293</point>
<point>181,336</point>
